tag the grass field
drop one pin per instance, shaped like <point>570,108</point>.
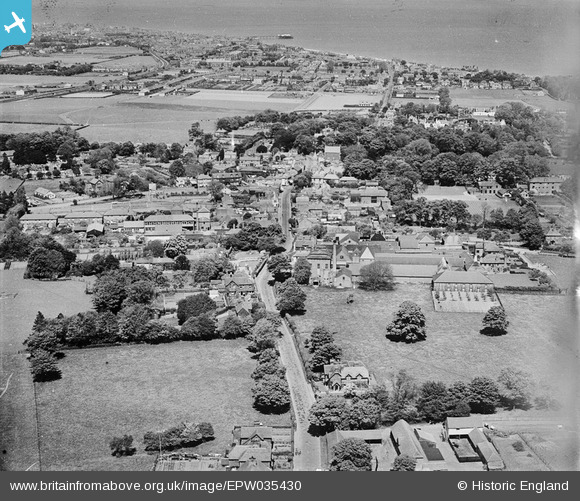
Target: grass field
<point>541,337</point>
<point>139,119</point>
<point>107,392</point>
<point>17,411</point>
<point>488,98</point>
<point>563,267</point>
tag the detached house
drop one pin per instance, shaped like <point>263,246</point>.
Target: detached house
<point>339,376</point>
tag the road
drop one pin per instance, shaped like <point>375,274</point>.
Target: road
<point>307,446</point>
<point>285,213</point>
<point>389,90</point>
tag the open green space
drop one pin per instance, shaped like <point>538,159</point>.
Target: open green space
<point>540,339</point>
<point>563,267</point>
<point>137,119</point>
<point>107,392</point>
<point>17,410</point>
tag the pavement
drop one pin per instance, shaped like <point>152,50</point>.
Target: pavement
<point>307,447</point>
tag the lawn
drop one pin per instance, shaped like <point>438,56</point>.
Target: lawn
<point>17,412</point>
<point>138,119</point>
<point>563,267</point>
<point>538,341</point>
<point>106,392</point>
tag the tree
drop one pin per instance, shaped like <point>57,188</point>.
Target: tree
<point>532,234</point>
<point>444,100</point>
<point>515,388</point>
<point>302,271</point>
<point>181,263</point>
<point>324,355</point>
<point>433,401</point>
<point>483,395</point>
<point>46,263</point>
<point>233,327</point>
<point>157,331</point>
<point>400,403</point>
<point>176,246</point>
<point>122,446</point>
<point>39,322</point>
<point>495,322</point>
<point>271,395</point>
<point>81,329</point>
<point>43,365</point>
<point>5,167</point>
<point>193,306</point>
<point>109,293</point>
<point>269,367</point>
<point>133,322</point>
<point>292,298</point>
<point>280,268</point>
<point>364,413</point>
<point>176,169</point>
<point>328,414</point>
<point>459,396</point>
<point>376,276</point>
<point>351,454</point>
<point>200,327</point>
<point>139,292</point>
<point>263,336</point>
<point>408,324</point>
<point>403,462</point>
<point>319,337</point>
<point>216,190</point>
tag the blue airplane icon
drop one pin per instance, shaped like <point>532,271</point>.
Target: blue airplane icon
<point>16,17</point>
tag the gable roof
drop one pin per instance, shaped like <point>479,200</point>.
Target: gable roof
<point>408,242</point>
<point>405,440</point>
<point>462,277</point>
<point>464,422</point>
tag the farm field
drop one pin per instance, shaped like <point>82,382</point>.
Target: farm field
<point>139,119</point>
<point>81,56</point>
<point>11,81</point>
<point>106,392</point>
<point>17,412</point>
<point>133,62</point>
<point>329,101</point>
<point>541,336</point>
<point>475,202</point>
<point>488,98</point>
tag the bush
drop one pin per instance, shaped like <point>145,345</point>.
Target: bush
<point>271,395</point>
<point>404,463</point>
<point>518,445</point>
<point>202,327</point>
<point>193,306</point>
<point>183,435</point>
<point>122,446</point>
<point>495,322</point>
<point>44,367</point>
<point>156,332</point>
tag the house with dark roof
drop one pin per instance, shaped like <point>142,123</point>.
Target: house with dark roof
<point>340,375</point>
<point>468,281</point>
<point>239,283</point>
<point>269,446</point>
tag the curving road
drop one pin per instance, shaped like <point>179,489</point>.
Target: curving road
<point>306,446</point>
